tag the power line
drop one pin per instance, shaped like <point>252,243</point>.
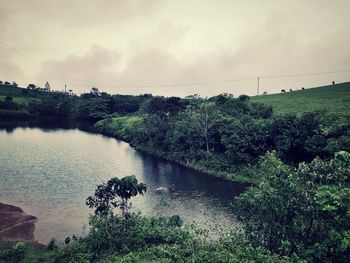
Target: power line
<point>304,74</point>
<point>211,82</point>
<point>166,84</point>
<point>148,85</point>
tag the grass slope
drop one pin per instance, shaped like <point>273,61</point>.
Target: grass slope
<point>16,93</point>
<point>332,99</point>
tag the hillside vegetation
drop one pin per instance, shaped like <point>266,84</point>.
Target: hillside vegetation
<point>333,99</point>
<point>222,135</point>
<point>298,210</point>
<point>10,90</point>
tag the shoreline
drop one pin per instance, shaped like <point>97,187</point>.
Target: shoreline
<point>17,226</point>
<point>91,128</point>
<point>229,176</point>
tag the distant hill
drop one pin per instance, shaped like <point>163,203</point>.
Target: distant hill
<point>333,99</point>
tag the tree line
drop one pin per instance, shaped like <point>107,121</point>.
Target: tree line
<point>90,107</point>
<point>223,133</point>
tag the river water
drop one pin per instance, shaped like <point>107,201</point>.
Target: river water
<point>50,172</point>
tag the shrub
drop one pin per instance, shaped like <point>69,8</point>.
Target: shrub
<point>303,211</point>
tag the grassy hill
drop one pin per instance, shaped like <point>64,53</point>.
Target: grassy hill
<point>333,99</point>
<point>16,93</point>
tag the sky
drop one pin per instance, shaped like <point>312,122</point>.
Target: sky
<point>175,48</point>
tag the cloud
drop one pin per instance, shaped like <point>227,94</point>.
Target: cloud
<point>107,42</point>
<point>278,50</point>
<point>167,36</point>
<point>77,13</point>
<point>9,70</point>
<point>96,65</point>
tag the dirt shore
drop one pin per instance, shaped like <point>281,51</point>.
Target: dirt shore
<point>16,226</point>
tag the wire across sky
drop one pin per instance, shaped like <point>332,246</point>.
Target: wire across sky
<point>179,84</point>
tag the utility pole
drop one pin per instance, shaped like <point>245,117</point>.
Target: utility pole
<point>257,91</point>
<point>65,88</point>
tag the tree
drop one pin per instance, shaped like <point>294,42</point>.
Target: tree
<point>8,104</point>
<point>92,109</point>
<point>304,211</point>
<point>160,105</point>
<point>205,116</point>
<point>106,193</point>
<point>31,87</point>
<point>246,140</point>
<point>244,97</point>
<point>95,91</point>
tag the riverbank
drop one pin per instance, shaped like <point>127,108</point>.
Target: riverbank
<point>234,177</point>
<point>17,226</point>
<point>122,131</point>
<point>120,128</point>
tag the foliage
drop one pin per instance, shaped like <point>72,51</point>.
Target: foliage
<point>216,135</point>
<point>138,238</point>
<point>164,106</point>
<point>132,232</point>
<point>298,210</point>
<point>14,253</point>
<point>105,194</point>
<point>230,248</point>
<point>221,134</point>
<point>303,211</point>
<point>121,127</point>
<point>91,107</point>
<point>56,107</point>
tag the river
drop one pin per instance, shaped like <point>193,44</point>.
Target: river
<point>50,172</point>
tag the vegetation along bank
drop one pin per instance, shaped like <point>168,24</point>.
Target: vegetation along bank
<point>222,135</point>
<point>298,210</point>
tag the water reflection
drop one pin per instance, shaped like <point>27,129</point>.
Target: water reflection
<point>50,172</point>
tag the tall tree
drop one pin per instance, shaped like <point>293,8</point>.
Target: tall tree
<point>205,116</point>
<point>106,193</point>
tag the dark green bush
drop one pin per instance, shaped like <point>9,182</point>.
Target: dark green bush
<point>303,211</point>
<point>133,232</point>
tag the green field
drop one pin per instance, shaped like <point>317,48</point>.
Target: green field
<point>17,95</point>
<point>333,99</point>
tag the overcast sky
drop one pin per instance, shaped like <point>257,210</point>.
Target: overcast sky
<point>117,45</point>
